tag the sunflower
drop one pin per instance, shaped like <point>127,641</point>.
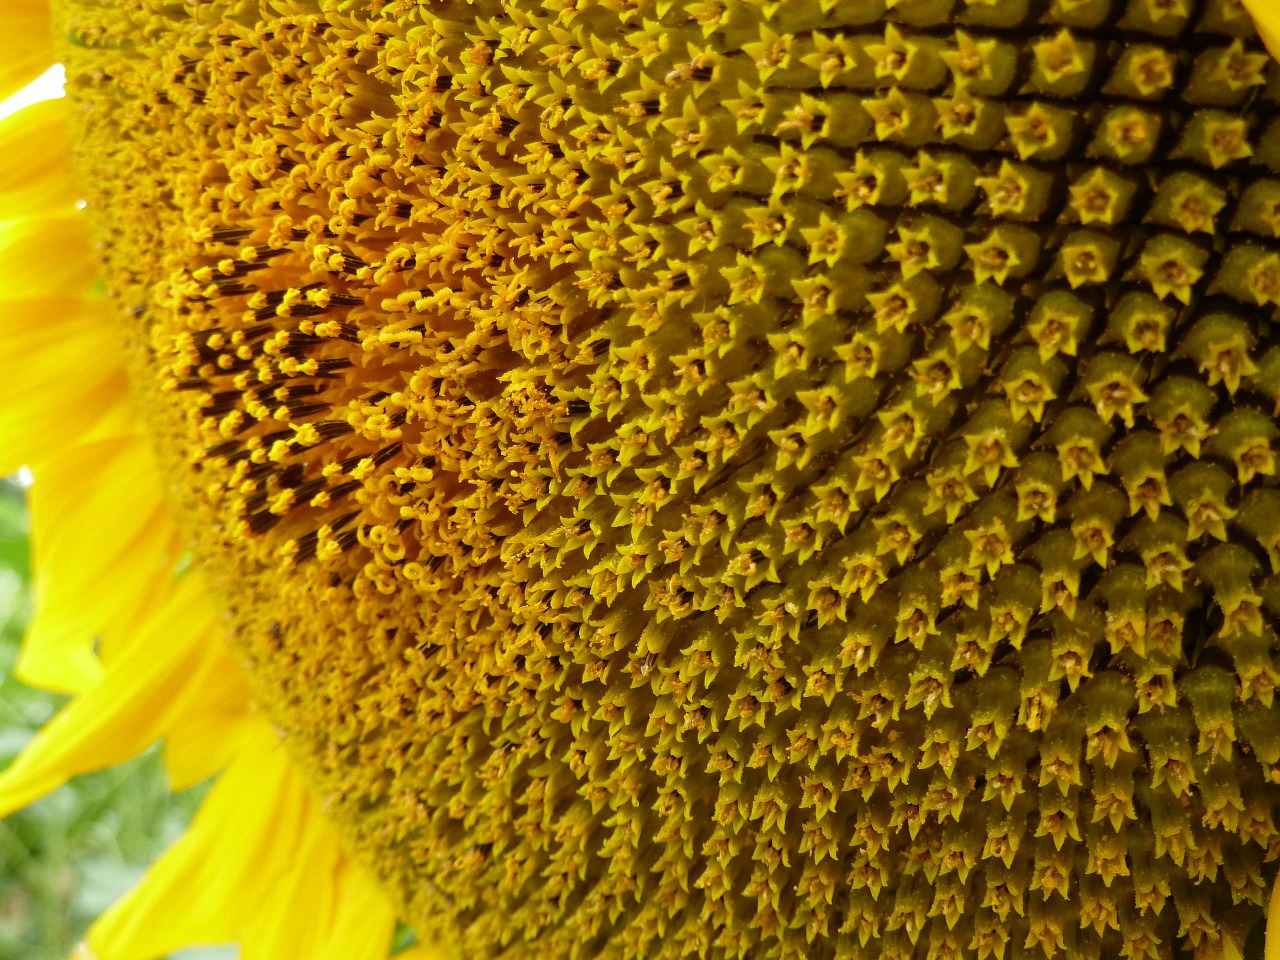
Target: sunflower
<point>659,478</point>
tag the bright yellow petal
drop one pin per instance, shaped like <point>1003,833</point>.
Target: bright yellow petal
<point>45,259</point>
<point>98,518</point>
<point>26,44</point>
<point>302,899</point>
<point>70,381</point>
<point>207,886</point>
<point>130,707</point>
<point>258,866</point>
<point>364,922</point>
<point>36,176</point>
<point>204,735</point>
<point>326,907</point>
<point>71,375</point>
<point>1266,13</point>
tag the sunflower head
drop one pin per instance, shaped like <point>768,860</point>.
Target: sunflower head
<point>770,479</point>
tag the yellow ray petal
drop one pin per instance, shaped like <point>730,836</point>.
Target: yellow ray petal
<point>325,908</point>
<point>46,259</point>
<point>36,176</point>
<point>71,374</point>
<point>206,887</point>
<point>1266,14</point>
<point>364,922</point>
<point>205,733</point>
<point>328,907</point>
<point>257,867</point>
<point>285,930</point>
<point>97,517</point>
<point>70,380</point>
<point>26,44</point>
<point>130,707</point>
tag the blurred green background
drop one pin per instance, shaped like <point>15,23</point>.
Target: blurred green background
<point>66,858</point>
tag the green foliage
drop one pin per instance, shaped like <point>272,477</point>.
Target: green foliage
<point>66,858</point>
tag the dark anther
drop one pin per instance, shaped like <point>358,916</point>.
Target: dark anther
<point>332,429</point>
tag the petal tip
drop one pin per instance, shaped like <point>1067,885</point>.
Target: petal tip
<point>1266,14</point>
